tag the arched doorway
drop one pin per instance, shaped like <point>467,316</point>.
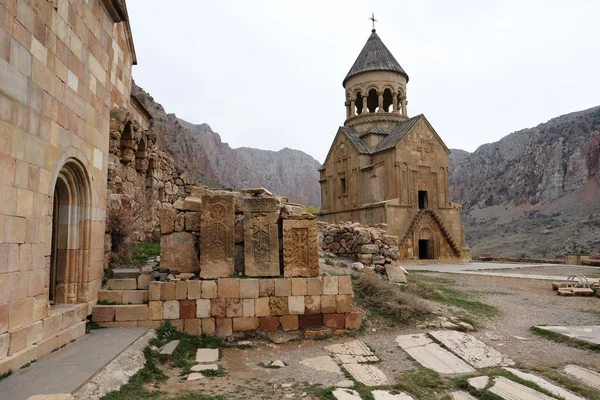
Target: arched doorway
<point>71,225</point>
<point>426,244</point>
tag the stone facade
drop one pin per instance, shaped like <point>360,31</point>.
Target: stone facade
<point>64,65</point>
<point>384,167</point>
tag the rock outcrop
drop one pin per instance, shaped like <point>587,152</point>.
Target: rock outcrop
<point>534,192</point>
<point>200,151</point>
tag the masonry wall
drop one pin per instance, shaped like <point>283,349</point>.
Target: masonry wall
<point>64,64</point>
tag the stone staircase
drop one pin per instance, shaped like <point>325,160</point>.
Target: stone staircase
<point>455,247</point>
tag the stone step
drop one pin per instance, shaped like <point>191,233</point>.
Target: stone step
<point>124,273</point>
<point>121,284</point>
<point>123,296</point>
<point>120,313</point>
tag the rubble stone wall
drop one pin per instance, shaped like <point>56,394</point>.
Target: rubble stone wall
<point>225,306</point>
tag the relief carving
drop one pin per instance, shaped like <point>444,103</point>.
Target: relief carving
<point>300,248</point>
<point>261,241</point>
<point>217,222</point>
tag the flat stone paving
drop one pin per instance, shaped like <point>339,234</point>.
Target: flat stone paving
<point>461,396</point>
<point>590,334</point>
<point>544,384</point>
<point>67,369</point>
<point>590,378</point>
<point>432,355</point>
<point>511,390</point>
<point>473,351</point>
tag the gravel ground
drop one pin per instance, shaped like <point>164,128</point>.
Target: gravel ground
<point>523,303</point>
<point>559,270</point>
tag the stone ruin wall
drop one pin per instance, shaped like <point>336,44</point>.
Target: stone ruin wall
<point>239,261</point>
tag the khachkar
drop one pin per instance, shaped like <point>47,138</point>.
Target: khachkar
<point>217,246</point>
<point>300,249</point>
<point>261,241</point>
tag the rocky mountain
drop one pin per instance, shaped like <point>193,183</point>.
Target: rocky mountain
<point>200,151</point>
<point>535,192</point>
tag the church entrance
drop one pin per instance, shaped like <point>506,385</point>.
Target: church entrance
<point>422,199</point>
<point>425,250</point>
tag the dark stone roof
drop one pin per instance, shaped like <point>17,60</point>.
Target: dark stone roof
<point>356,140</point>
<point>375,57</point>
<point>377,131</point>
<point>397,134</point>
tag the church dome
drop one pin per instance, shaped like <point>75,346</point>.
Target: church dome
<point>375,57</point>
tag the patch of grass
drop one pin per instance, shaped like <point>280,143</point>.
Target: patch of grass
<point>443,291</point>
<point>423,384</point>
<point>557,337</point>
<point>387,300</point>
<point>196,396</point>
<point>6,374</point>
<point>141,252</point>
<point>107,303</point>
<point>214,372</point>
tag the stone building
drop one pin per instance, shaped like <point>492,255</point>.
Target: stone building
<point>64,65</point>
<point>386,167</point>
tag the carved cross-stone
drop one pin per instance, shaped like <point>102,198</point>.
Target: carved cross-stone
<point>217,225</point>
<point>424,146</point>
<point>261,241</point>
<point>300,251</point>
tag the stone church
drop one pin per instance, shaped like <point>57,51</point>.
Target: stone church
<point>386,167</point>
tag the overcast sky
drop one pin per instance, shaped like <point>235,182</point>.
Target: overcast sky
<point>268,74</point>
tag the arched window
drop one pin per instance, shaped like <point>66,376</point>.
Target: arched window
<point>372,101</point>
<point>388,100</point>
<point>359,103</point>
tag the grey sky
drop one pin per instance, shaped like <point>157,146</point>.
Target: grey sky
<point>268,74</point>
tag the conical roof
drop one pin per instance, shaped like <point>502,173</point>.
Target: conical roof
<point>375,57</point>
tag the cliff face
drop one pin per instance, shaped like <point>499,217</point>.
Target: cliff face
<point>200,151</point>
<point>534,192</point>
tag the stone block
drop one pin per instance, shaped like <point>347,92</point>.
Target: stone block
<point>300,248</point>
<point>209,289</point>
<point>99,314</point>
<point>166,218</point>
<point>345,285</point>
<point>218,308</point>
<point>192,204</point>
<point>245,324</point>
<point>310,321</point>
<point>110,296</point>
<point>133,296</point>
<point>228,288</point>
<point>131,313</point>
<point>312,304</point>
<point>343,303</point>
<point>4,318</point>
<point>278,305</point>
<point>395,273</point>
<point>208,326</point>
<point>328,304</point>
<point>192,221</point>
<point>317,333</point>
<point>121,284</point>
<point>154,291</point>
<point>35,333</point>
<point>168,290</point>
<point>249,288</point>
<point>143,282</point>
<point>336,321</point>
<point>299,286</point>
<point>178,252</point>
<point>178,325</point>
<point>296,305</point>
<point>194,290</point>
<point>269,324</point>
<point>234,308</point>
<point>217,248</point>
<point>330,285</point>
<point>353,320</point>
<point>223,327</point>
<point>59,396</point>
<point>171,309</point>
<point>18,340</point>
<point>187,309</point>
<point>203,308</point>
<point>266,288</point>
<point>53,324</point>
<point>289,322</point>
<point>179,223</point>
<point>181,289</point>
<point>315,286</point>
<point>283,287</point>
<point>45,346</point>
<point>155,310</point>
<point>192,327</point>
<point>261,307</point>
<point>261,241</point>
<point>248,308</point>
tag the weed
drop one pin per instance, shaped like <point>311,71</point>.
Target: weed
<point>143,251</point>
<point>106,303</point>
<point>214,372</point>
<point>6,374</point>
<point>92,326</point>
<point>423,384</point>
<point>557,337</point>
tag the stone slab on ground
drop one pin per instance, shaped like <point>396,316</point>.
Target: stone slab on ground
<point>385,395</point>
<point>123,273</point>
<point>351,359</point>
<point>205,367</point>
<point>367,374</point>
<point>544,384</point>
<point>322,363</point>
<point>590,378</point>
<point>461,396</point>
<point>432,356</point>
<point>473,351</point>
<point>346,394</point>
<point>511,390</point>
<point>195,376</point>
<point>355,347</point>
<point>408,341</point>
<point>207,355</point>
<point>58,396</point>
<point>170,347</point>
<point>479,382</point>
<point>68,368</point>
<point>590,334</point>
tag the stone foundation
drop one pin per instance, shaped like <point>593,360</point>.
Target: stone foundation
<point>224,306</point>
